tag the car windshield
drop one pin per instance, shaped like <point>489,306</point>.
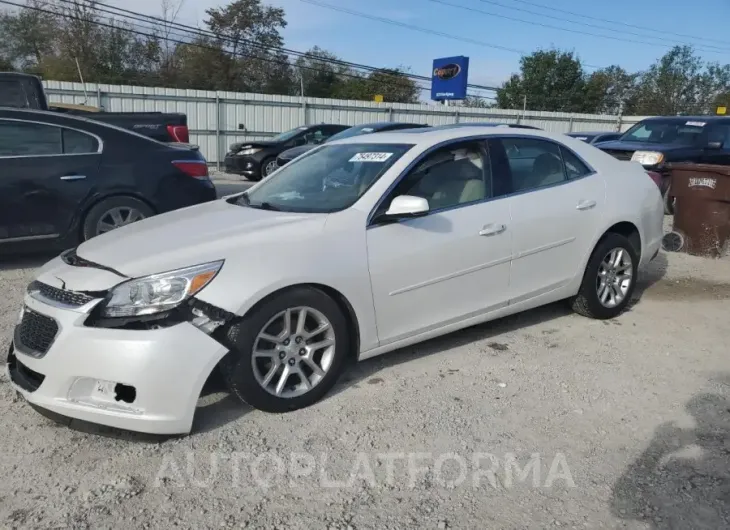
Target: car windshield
<point>352,131</point>
<point>676,132</point>
<point>288,135</point>
<point>328,179</point>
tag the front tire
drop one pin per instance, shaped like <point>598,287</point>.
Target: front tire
<point>268,166</point>
<point>288,353</point>
<point>609,279</point>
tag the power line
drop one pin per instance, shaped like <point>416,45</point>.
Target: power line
<point>618,23</point>
<point>187,43</point>
<point>202,32</point>
<point>705,47</point>
<point>422,29</point>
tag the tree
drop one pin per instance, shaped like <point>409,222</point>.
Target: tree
<point>392,84</point>
<point>610,90</point>
<point>680,82</point>
<point>550,80</point>
<point>477,102</point>
<point>28,35</point>
<point>248,30</point>
<point>321,77</point>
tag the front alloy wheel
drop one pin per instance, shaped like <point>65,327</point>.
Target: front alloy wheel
<point>288,351</point>
<point>293,352</point>
<point>269,167</point>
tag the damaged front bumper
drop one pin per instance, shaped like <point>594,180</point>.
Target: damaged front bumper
<point>143,377</point>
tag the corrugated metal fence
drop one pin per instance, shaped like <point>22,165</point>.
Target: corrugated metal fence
<point>217,119</point>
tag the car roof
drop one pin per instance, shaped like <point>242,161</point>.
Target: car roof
<point>65,120</point>
<point>485,124</point>
<point>435,135</point>
<point>686,118</point>
<point>591,133</point>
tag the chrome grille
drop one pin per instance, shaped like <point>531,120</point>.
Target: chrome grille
<point>35,333</point>
<point>71,298</point>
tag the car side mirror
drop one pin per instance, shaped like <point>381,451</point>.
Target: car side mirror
<point>714,145</point>
<point>405,206</point>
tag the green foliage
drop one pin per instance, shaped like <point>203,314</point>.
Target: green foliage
<point>679,82</point>
<point>239,55</point>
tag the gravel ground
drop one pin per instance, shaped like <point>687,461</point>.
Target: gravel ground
<point>544,419</point>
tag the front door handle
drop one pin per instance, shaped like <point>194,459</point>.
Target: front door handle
<point>492,229</point>
<point>73,177</point>
<point>586,205</point>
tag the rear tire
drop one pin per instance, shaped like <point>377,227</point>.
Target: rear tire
<point>609,279</point>
<point>273,380</point>
<point>113,213</point>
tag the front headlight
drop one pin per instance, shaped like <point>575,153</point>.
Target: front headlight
<point>250,151</point>
<point>159,292</point>
<point>647,158</point>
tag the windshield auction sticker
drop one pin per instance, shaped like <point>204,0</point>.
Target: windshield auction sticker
<point>696,123</point>
<point>371,157</point>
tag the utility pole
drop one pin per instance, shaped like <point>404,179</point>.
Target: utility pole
<point>524,106</point>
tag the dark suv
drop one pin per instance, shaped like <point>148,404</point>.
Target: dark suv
<point>656,142</point>
<point>257,159</point>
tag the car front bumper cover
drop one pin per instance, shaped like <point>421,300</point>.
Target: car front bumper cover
<point>145,380</point>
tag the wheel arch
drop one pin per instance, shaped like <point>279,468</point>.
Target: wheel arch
<point>340,299</point>
<point>627,229</point>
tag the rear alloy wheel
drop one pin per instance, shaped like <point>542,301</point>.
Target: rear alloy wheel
<point>114,213</point>
<point>289,353</point>
<point>609,279</point>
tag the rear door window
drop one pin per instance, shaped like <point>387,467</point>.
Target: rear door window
<point>78,143</point>
<point>19,138</point>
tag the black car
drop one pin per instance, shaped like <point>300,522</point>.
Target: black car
<point>66,179</point>
<point>656,142</point>
<point>367,128</point>
<point>595,137</point>
<point>257,159</point>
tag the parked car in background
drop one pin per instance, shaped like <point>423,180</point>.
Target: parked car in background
<point>657,142</point>
<point>435,231</point>
<point>25,91</point>
<point>66,179</point>
<point>486,124</point>
<point>356,130</point>
<point>595,137</point>
<point>257,159</point>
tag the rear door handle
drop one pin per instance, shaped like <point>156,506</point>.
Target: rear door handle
<point>492,229</point>
<point>586,205</point>
<point>73,177</point>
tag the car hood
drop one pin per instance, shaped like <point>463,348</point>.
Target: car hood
<point>617,145</point>
<point>256,143</point>
<point>294,152</point>
<point>190,236</point>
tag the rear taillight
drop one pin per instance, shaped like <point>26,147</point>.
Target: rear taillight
<point>656,177</point>
<point>198,169</point>
<point>179,133</point>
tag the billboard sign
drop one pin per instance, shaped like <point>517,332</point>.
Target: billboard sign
<point>449,78</point>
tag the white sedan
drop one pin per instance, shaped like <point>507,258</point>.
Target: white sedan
<point>357,248</point>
